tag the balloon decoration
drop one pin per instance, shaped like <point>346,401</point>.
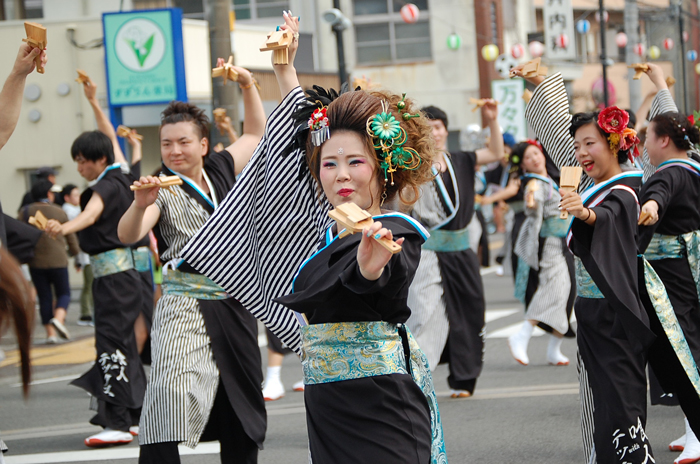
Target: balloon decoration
<point>668,44</point>
<point>583,26</point>
<point>621,40</point>
<point>563,41</point>
<point>490,52</point>
<point>685,36</point>
<point>536,48</point>
<point>691,55</point>
<point>639,49</point>
<point>517,51</point>
<point>606,16</point>
<point>697,68</point>
<point>454,41</point>
<point>410,13</point>
<point>654,52</point>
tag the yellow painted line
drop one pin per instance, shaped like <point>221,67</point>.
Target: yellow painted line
<point>77,352</point>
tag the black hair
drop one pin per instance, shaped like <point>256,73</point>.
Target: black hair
<point>93,146</point>
<point>67,189</point>
<point>583,119</point>
<point>677,127</point>
<point>633,119</point>
<point>40,189</point>
<point>178,111</point>
<point>435,113</point>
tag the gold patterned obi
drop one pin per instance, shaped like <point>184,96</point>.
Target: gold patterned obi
<point>665,246</point>
<point>585,287</point>
<point>111,262</point>
<point>335,352</point>
<point>190,285</point>
<point>142,259</point>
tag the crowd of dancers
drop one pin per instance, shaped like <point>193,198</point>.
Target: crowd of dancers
<point>247,236</point>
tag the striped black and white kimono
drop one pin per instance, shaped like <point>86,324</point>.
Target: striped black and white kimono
<point>544,279</point>
<point>613,329</point>
<point>202,339</point>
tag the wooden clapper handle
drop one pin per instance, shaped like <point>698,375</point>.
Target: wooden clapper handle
<point>564,213</point>
<point>165,181</point>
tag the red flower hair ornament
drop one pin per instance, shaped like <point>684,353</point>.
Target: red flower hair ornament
<point>614,122</point>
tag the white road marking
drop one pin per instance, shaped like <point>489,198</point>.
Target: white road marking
<point>488,270</point>
<point>495,314</point>
<point>108,454</point>
<point>51,380</point>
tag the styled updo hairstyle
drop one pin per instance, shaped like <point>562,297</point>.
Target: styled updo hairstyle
<point>516,157</point>
<point>583,119</point>
<point>350,112</point>
<point>178,111</point>
<point>676,127</point>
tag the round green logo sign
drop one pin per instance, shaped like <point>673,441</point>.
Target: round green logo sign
<point>139,44</point>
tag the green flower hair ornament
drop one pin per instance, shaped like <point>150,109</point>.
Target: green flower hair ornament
<point>388,138</point>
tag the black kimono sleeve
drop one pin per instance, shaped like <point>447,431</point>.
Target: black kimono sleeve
<point>608,251</point>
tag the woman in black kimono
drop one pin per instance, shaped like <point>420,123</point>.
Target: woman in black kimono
<point>613,329</point>
<point>351,290</point>
<point>670,273</point>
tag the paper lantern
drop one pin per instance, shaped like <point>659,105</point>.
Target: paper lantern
<point>621,40</point>
<point>563,41</point>
<point>490,52</point>
<point>639,49</point>
<point>654,52</point>
<point>536,48</point>
<point>517,51</point>
<point>668,44</point>
<point>691,55</point>
<point>605,16</point>
<point>685,36</point>
<point>583,26</point>
<point>697,68</point>
<point>410,13</point>
<point>454,41</point>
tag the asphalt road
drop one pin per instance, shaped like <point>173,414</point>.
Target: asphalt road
<point>518,414</point>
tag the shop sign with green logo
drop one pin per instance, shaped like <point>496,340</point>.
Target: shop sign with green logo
<point>144,57</point>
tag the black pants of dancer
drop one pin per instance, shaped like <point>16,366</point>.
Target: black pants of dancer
<point>223,425</point>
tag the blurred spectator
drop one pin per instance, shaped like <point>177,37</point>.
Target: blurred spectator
<point>43,173</point>
<point>49,267</point>
<point>71,205</point>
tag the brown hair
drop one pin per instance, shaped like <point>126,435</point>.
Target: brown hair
<point>350,112</point>
<point>16,304</point>
<point>676,127</point>
<point>178,111</point>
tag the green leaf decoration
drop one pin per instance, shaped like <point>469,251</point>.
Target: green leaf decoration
<point>141,52</point>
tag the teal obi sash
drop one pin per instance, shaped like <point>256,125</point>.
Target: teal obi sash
<point>336,352</point>
<point>447,240</point>
<point>554,227</point>
<point>111,262</point>
<point>142,259</point>
<point>585,287</point>
<point>197,286</point>
<point>517,206</point>
<point>665,246</point>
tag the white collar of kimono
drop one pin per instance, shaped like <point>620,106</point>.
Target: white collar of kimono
<point>687,164</point>
<point>596,188</point>
<point>108,168</point>
<point>212,201</point>
<point>452,207</point>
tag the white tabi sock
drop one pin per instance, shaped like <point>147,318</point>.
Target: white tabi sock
<point>273,374</point>
<point>554,354</point>
<point>691,452</point>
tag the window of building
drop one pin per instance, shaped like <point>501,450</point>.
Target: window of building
<point>33,9</point>
<point>259,9</point>
<point>381,36</point>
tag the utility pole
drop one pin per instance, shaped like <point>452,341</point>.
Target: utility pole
<point>222,96</point>
<point>632,31</point>
<point>603,55</point>
<point>680,41</point>
<point>338,29</point>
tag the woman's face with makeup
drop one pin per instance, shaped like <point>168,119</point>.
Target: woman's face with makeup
<point>348,172</point>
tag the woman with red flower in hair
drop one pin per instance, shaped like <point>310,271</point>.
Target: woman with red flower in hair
<point>613,332</point>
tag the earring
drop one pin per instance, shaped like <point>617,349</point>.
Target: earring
<point>381,203</point>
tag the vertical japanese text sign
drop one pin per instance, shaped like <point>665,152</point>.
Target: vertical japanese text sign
<point>558,16</point>
<point>144,57</point>
<point>511,106</point>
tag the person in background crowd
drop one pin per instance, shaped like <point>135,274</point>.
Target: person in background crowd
<point>49,267</point>
<point>71,205</point>
<point>43,173</point>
